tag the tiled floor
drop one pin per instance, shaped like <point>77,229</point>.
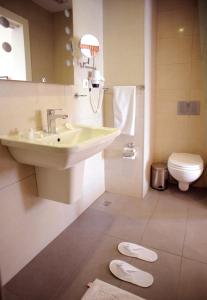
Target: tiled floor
<point>171,222</point>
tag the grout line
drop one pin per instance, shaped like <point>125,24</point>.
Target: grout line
<point>179,278</point>
<point>76,271</point>
<point>185,234</point>
<point>195,260</point>
<point>148,221</point>
<point>57,292</point>
<point>15,182</point>
<point>121,238</point>
<point>191,55</point>
<point>170,64</point>
<point>162,250</point>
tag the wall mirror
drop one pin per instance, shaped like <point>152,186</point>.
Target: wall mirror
<point>89,45</point>
<point>36,41</point>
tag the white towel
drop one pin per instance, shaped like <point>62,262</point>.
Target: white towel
<point>101,290</point>
<point>124,106</point>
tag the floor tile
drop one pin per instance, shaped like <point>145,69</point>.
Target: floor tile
<point>93,220</point>
<point>165,233</point>
<point>140,208</point>
<point>198,206</point>
<point>110,203</point>
<point>195,245</point>
<point>172,206</point>
<point>165,272</point>
<point>96,267</point>
<point>128,206</point>
<point>167,226</point>
<point>193,195</point>
<point>8,296</point>
<point>193,283</point>
<point>43,276</point>
<point>171,222</point>
<point>127,229</point>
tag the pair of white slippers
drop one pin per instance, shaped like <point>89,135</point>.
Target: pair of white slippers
<point>129,273</point>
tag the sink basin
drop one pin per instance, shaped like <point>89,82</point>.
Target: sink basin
<point>62,150</point>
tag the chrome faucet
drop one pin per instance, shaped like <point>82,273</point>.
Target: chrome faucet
<point>51,117</point>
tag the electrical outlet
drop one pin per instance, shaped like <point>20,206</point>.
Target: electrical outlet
<point>85,83</point>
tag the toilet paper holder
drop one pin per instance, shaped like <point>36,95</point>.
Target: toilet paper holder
<point>129,151</point>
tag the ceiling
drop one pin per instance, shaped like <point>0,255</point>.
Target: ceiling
<point>54,5</point>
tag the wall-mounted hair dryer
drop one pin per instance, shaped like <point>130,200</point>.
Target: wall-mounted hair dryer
<point>95,78</point>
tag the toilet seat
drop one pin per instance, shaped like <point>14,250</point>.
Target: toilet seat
<point>185,161</point>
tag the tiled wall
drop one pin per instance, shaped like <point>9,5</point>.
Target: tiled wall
<point>124,176</point>
<point>149,62</point>
<point>124,65</point>
<point>203,35</point>
<point>124,42</point>
<point>27,222</point>
<point>178,77</point>
<point>129,45</point>
<point>88,18</point>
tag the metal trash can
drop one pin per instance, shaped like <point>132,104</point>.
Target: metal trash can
<point>159,176</point>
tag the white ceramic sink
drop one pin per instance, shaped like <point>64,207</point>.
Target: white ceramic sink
<point>62,150</point>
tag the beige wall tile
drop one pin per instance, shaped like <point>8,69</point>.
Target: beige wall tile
<point>173,76</point>
<point>124,65</point>
<point>195,128</point>
<point>10,170</point>
<point>124,42</point>
<point>18,106</point>
<point>50,96</point>
<point>199,94</point>
<point>179,77</point>
<point>174,50</point>
<point>167,5</point>
<point>83,23</point>
<point>166,100</point>
<point>170,22</point>
<point>196,51</point>
<point>171,125</point>
<point>197,75</point>
<point>196,23</point>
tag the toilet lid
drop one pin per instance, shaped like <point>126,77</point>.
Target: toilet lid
<point>185,161</point>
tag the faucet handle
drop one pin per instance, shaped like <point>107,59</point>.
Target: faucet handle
<point>51,111</point>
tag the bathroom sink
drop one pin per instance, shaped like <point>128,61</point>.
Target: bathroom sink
<point>61,150</point>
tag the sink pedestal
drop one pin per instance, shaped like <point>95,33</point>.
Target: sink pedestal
<point>60,185</point>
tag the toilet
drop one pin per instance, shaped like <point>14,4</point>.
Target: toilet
<point>185,168</point>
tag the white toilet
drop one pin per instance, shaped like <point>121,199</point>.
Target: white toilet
<point>185,168</point>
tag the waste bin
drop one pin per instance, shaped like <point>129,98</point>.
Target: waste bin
<point>159,176</point>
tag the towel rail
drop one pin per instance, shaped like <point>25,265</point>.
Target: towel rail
<point>107,89</point>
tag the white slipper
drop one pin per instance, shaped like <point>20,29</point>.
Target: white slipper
<point>129,273</point>
<point>134,250</point>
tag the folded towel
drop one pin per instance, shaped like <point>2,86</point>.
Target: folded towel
<point>105,291</point>
<point>124,107</point>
